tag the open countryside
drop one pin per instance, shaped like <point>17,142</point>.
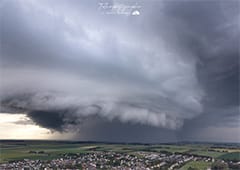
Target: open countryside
<point>93,155</point>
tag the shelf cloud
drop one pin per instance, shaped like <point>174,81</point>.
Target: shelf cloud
<point>63,63</point>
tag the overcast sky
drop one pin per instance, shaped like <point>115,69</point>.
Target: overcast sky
<point>168,74</point>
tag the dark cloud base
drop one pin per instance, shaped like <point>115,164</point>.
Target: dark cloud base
<point>165,75</point>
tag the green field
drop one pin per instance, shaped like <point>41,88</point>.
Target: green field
<point>231,156</point>
<point>46,150</point>
<point>201,165</point>
<point>50,151</point>
<point>213,154</point>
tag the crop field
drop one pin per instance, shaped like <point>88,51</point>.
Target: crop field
<point>47,150</point>
<point>231,156</point>
<point>196,164</point>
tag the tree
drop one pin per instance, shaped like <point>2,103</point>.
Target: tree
<point>219,166</point>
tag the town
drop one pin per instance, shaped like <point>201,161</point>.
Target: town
<point>112,160</point>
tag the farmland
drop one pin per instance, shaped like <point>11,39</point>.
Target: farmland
<point>196,164</point>
<point>188,154</point>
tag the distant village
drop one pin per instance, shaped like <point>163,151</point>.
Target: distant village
<point>116,161</point>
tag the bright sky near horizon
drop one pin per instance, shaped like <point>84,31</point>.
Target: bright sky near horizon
<point>11,129</point>
<point>19,126</point>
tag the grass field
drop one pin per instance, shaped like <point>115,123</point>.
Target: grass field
<point>50,151</point>
<point>213,154</point>
<point>201,165</point>
<point>231,156</point>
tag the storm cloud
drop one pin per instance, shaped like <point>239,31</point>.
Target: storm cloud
<point>65,63</point>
